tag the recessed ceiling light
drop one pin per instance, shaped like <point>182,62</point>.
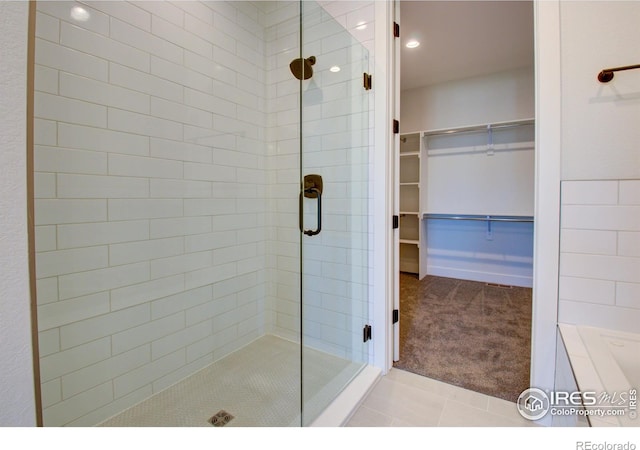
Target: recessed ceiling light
<point>412,43</point>
<point>334,69</point>
<point>361,26</point>
<point>80,14</point>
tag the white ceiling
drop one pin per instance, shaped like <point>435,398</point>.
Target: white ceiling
<point>461,39</point>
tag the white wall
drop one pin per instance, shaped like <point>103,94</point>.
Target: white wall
<point>600,121</point>
<point>16,377</point>
<point>473,101</point>
<point>600,240</point>
<point>460,249</point>
<point>467,250</point>
<point>466,175</point>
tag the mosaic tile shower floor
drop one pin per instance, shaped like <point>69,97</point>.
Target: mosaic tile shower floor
<point>258,384</point>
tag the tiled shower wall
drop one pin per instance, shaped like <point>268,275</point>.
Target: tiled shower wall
<point>283,173</point>
<point>600,254</point>
<point>150,196</point>
<point>166,195</point>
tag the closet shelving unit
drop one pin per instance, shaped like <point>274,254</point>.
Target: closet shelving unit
<point>410,185</point>
<point>420,201</point>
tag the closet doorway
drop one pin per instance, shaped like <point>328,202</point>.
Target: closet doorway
<point>465,183</point>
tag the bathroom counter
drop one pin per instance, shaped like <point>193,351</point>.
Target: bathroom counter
<point>604,361</point>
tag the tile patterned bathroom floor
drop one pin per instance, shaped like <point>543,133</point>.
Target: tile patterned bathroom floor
<point>258,385</point>
<point>404,399</point>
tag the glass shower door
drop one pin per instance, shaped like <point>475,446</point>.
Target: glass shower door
<point>334,207</point>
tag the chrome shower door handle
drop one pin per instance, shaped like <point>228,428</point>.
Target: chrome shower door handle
<point>318,193</point>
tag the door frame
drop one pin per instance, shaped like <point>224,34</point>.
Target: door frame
<point>386,96</point>
<point>546,262</point>
<point>547,196</point>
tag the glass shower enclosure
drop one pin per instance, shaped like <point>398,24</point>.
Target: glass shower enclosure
<point>201,179</point>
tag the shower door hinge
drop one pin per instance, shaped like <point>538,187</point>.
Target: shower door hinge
<point>366,333</point>
<point>396,316</point>
<point>366,81</point>
<point>396,127</point>
<point>396,29</point>
<point>396,222</point>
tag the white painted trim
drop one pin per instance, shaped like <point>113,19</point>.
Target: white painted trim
<point>347,402</point>
<point>476,275</point>
<point>383,269</point>
<point>546,238</point>
<point>395,161</point>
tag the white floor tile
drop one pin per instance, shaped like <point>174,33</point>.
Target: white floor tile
<point>407,403</point>
<point>458,414</point>
<point>366,417</point>
<point>506,409</point>
<point>408,400</point>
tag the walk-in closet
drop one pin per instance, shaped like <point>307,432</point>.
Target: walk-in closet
<point>465,184</point>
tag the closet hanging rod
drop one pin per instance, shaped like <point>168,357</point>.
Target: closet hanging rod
<point>606,75</point>
<point>476,128</point>
<point>480,218</point>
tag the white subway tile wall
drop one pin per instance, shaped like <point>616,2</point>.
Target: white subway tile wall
<point>167,179</point>
<point>600,254</point>
<point>142,198</point>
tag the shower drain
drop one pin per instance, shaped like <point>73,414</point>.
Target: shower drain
<point>220,419</point>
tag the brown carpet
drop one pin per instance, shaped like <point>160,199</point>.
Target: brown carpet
<point>466,333</point>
